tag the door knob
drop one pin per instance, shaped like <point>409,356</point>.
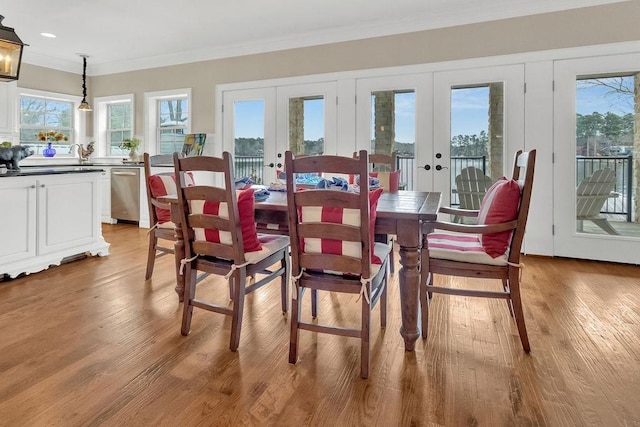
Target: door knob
<point>438,155</point>
<point>426,167</point>
<point>438,167</point>
<point>271,165</point>
<point>279,165</point>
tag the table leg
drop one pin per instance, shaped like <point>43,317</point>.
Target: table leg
<point>408,233</point>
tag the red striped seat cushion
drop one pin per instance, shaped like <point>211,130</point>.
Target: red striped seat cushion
<point>461,247</point>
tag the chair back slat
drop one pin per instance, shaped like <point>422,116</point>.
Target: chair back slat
<point>471,185</point>
<point>329,231</point>
<point>593,192</point>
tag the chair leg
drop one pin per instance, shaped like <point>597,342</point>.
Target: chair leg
<point>296,304</point>
<point>151,255</point>
<point>606,226</point>
<point>284,284</point>
<point>505,286</point>
<point>424,304</point>
<point>514,285</point>
<point>314,303</point>
<point>365,335</point>
<point>239,279</point>
<point>392,259</point>
<point>383,301</point>
<point>189,295</point>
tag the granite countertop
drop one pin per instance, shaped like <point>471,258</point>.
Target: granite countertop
<point>48,170</point>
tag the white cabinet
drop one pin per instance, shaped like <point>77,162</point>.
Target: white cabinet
<point>48,218</point>
<point>105,189</point>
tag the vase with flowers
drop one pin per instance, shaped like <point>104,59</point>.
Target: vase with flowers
<point>50,137</point>
<point>132,145</point>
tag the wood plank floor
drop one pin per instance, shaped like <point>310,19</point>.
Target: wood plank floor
<point>91,343</point>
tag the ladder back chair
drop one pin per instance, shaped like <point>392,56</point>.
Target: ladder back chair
<point>385,164</point>
<point>162,229</point>
<point>489,249</point>
<point>332,248</point>
<point>218,228</point>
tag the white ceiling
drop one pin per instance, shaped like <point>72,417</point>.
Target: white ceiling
<point>124,35</point>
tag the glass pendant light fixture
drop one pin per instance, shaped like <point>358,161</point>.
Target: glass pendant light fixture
<point>84,105</point>
<point>10,53</point>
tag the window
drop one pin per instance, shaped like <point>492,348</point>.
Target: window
<point>172,124</point>
<point>167,117</point>
<point>45,120</point>
<point>113,123</point>
<point>119,127</point>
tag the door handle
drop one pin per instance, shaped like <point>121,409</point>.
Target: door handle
<point>426,167</point>
<point>271,165</point>
<point>124,173</point>
<point>439,168</point>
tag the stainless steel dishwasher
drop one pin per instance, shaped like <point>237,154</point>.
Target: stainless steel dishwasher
<point>125,194</point>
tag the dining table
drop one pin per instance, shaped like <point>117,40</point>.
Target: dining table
<point>405,214</point>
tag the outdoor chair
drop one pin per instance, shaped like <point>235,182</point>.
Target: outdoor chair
<point>591,194</point>
<point>471,186</point>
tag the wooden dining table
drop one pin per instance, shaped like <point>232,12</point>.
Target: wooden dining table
<point>405,214</point>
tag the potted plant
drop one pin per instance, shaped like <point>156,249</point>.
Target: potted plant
<point>132,145</point>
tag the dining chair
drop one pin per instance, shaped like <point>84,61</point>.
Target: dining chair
<point>332,248</point>
<point>218,228</point>
<point>384,167</point>
<point>162,231</point>
<point>489,249</point>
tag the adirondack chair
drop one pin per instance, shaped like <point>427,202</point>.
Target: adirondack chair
<point>471,185</point>
<point>591,195</point>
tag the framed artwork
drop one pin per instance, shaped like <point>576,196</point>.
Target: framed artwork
<point>193,144</point>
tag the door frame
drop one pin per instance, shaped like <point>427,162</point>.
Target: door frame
<point>566,240</point>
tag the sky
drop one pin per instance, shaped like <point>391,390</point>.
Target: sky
<point>469,112</point>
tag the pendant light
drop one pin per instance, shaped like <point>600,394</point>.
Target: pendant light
<point>84,105</point>
<point>10,53</point>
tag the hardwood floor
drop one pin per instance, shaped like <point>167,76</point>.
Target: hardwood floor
<point>91,343</point>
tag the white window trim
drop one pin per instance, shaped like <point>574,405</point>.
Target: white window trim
<point>150,142</point>
<point>79,119</point>
<point>101,116</point>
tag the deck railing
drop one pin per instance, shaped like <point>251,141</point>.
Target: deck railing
<point>252,166</point>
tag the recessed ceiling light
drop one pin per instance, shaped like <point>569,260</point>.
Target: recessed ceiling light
<point>48,35</point>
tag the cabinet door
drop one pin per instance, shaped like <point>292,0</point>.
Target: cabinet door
<point>105,196</point>
<point>67,211</point>
<point>18,219</point>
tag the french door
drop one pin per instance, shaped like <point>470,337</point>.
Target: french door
<point>596,178</point>
<point>478,120</point>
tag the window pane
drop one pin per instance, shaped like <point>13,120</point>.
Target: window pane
<point>249,139</point>
<point>606,181</point>
<point>119,122</point>
<point>173,121</point>
<point>44,121</point>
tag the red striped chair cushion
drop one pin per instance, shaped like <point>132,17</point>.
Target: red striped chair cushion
<point>161,185</point>
<point>319,214</point>
<point>247,221</point>
<point>500,204</point>
<point>461,247</point>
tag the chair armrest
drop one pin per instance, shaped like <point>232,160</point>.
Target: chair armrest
<point>473,229</point>
<point>458,212</point>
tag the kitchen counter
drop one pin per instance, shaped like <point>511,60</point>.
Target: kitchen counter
<point>48,170</point>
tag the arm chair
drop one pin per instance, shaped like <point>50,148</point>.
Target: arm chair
<point>490,249</point>
<point>591,194</point>
<point>220,238</point>
<point>384,163</point>
<point>332,248</point>
<point>159,213</point>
